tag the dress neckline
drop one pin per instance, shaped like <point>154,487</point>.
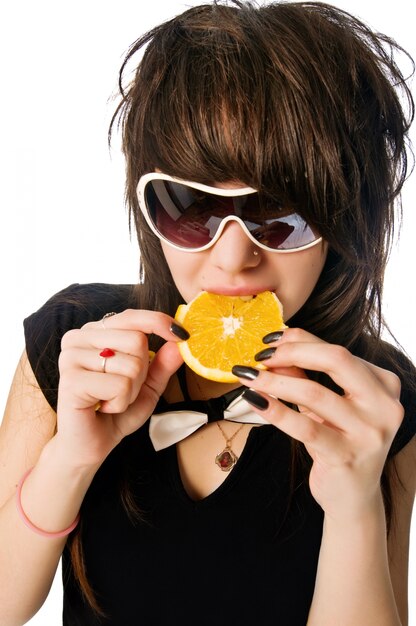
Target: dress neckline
<point>173,469</point>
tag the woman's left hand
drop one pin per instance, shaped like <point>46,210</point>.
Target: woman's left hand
<point>348,436</point>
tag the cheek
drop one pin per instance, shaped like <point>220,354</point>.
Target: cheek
<point>302,274</point>
<point>311,278</point>
<point>182,266</point>
<point>314,267</point>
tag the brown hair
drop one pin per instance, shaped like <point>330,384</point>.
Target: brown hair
<point>300,100</point>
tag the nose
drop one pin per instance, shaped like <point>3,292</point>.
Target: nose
<point>234,252</point>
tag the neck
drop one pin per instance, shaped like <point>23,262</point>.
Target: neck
<point>202,389</point>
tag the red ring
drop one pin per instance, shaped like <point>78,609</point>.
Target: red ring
<point>107,353</point>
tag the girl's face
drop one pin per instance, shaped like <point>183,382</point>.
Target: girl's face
<point>234,265</point>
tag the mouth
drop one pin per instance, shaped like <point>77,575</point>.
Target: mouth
<point>242,291</point>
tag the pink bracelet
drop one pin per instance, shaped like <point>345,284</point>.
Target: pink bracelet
<point>29,524</point>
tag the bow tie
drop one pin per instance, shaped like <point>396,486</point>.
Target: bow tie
<point>184,418</point>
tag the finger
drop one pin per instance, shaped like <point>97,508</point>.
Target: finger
<point>380,413</point>
<point>388,379</point>
<point>293,372</point>
<point>324,403</point>
<point>347,371</point>
<point>289,335</point>
<point>86,388</point>
<point>164,364</point>
<point>266,358</point>
<point>148,322</point>
<point>126,341</point>
<point>274,339</point>
<point>120,364</point>
<point>317,437</point>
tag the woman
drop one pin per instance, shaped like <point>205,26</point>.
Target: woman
<point>310,526</point>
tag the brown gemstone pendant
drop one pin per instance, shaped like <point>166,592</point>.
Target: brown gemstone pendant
<point>226,459</point>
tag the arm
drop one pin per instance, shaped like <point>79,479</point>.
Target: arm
<point>28,562</point>
<point>359,571</point>
<point>348,438</point>
<point>65,461</point>
<point>403,476</point>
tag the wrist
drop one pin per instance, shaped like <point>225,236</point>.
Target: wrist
<point>57,455</point>
<point>369,511</point>
<point>356,532</point>
<point>49,496</point>
<point>39,531</point>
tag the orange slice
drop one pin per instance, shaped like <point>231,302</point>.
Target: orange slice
<point>226,331</point>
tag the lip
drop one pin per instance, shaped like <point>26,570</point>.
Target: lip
<point>237,291</point>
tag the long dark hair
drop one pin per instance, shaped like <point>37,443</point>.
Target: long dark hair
<point>300,100</point>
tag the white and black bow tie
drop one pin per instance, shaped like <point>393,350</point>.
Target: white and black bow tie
<point>184,418</point>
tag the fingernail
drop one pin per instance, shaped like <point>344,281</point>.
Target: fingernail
<point>271,337</point>
<point>242,371</point>
<point>179,331</point>
<point>267,353</point>
<point>255,399</point>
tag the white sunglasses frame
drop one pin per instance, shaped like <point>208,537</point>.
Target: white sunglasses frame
<point>218,191</point>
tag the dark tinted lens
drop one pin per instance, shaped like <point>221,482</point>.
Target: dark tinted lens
<point>190,218</point>
<point>283,233</point>
<point>185,216</point>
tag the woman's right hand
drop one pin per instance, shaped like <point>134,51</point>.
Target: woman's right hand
<point>127,391</point>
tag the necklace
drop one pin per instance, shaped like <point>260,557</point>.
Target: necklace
<point>227,458</point>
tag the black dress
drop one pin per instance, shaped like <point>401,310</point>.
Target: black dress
<point>247,554</point>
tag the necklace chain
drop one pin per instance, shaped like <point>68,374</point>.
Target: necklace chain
<point>228,440</point>
<point>227,458</point>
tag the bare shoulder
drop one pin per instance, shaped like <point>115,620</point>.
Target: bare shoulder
<point>28,424</point>
<point>403,480</point>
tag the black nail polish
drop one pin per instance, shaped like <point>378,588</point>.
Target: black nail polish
<point>179,331</point>
<point>267,353</point>
<point>255,399</point>
<point>271,337</point>
<point>242,371</point>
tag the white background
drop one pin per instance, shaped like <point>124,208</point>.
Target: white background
<point>61,192</point>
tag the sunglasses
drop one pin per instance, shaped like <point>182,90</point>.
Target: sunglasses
<point>191,216</point>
